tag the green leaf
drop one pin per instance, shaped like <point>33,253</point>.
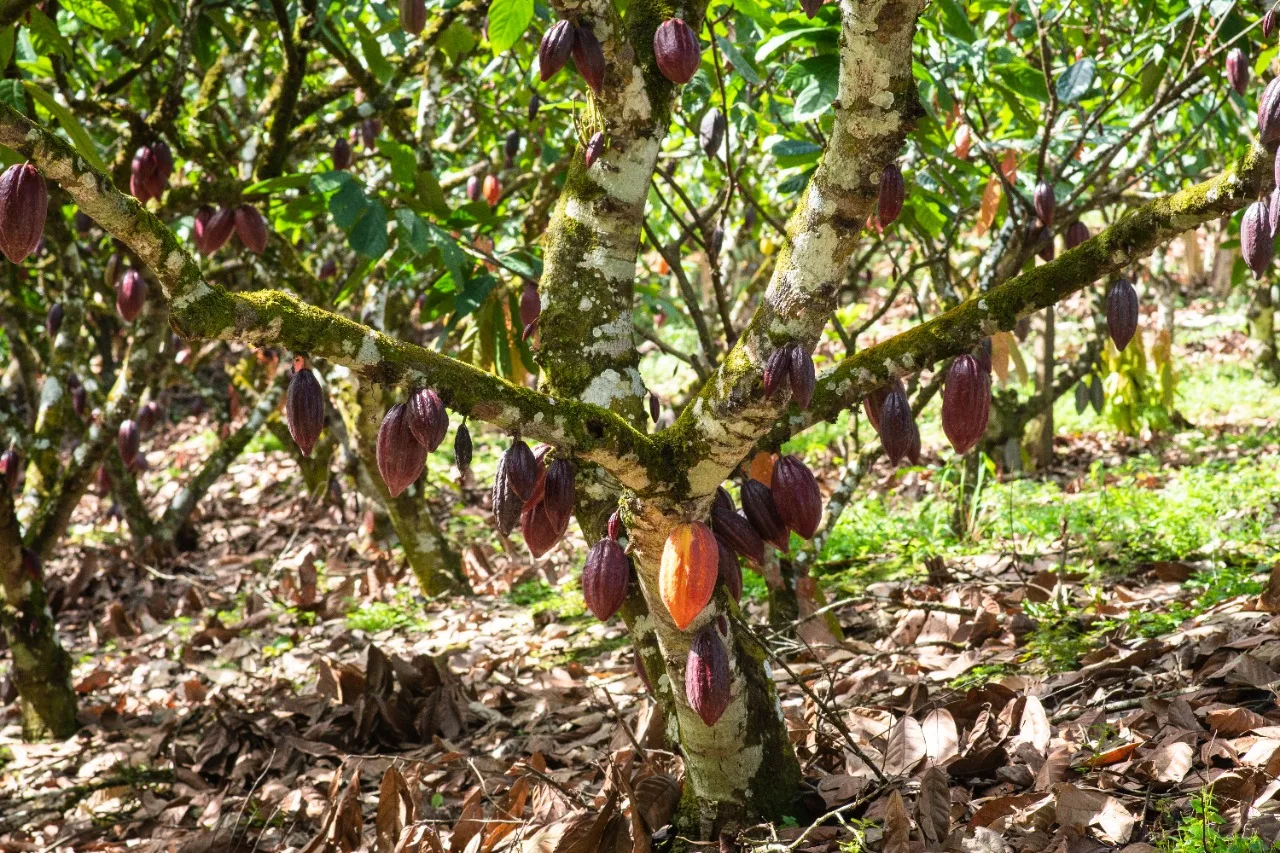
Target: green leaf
<point>1025,80</point>
<point>284,182</point>
<point>69,123</point>
<point>94,13</point>
<point>1074,83</point>
<point>955,21</point>
<point>739,62</point>
<point>404,163</point>
<point>45,37</point>
<point>819,79</point>
<point>473,294</point>
<point>7,37</point>
<point>13,94</point>
<point>346,205</point>
<point>523,263</point>
<point>778,42</point>
<point>372,53</point>
<point>429,194</point>
<point>369,234</point>
<point>508,19</point>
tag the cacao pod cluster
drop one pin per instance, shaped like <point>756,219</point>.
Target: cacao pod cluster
<point>790,366</point>
<point>214,227</point>
<point>408,433</point>
<point>535,493</point>
<point>24,204</point>
<point>304,407</point>
<point>150,171</point>
<point>564,39</point>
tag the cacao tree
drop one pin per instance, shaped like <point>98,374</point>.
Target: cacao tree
<point>430,232</point>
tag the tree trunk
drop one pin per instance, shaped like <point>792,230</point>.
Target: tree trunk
<point>1262,328</point>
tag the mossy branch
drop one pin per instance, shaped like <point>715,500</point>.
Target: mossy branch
<point>203,309</point>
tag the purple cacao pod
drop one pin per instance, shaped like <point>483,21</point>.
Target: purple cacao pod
<point>251,228</point>
<point>1256,241</point>
<point>706,676</point>
<point>540,530</point>
<point>341,153</point>
<point>722,500</point>
<point>131,295</point>
<point>148,415</point>
<point>1122,312</point>
<point>111,273</point>
<point>328,269</point>
<point>146,176</point>
<point>304,409</point>
<point>53,319</point>
<point>164,160</point>
<point>1043,240</point>
<point>428,418</point>
<point>588,58</point>
<point>473,188</point>
<point>913,447</point>
<point>413,16</point>
<point>1077,233</point>
<point>896,422</point>
<point>762,512</point>
<point>1237,70</point>
<point>530,304</point>
<point>874,402</point>
<point>738,533</point>
<point>729,569</point>
<point>893,194</point>
<point>216,230</point>
<point>79,400</point>
<point>400,456</point>
<point>595,147</point>
<point>802,374</point>
<point>520,468</point>
<point>614,527</point>
<point>711,131</point>
<point>1269,113</point>
<point>10,468</point>
<point>534,104</point>
<point>810,7</point>
<point>511,145</point>
<point>462,447</point>
<point>676,51</point>
<point>655,407</point>
<point>557,43</point>
<point>966,403</point>
<point>605,578</point>
<point>560,491</point>
<point>369,130</point>
<point>1269,23</point>
<point>24,204</point>
<point>1045,204</point>
<point>127,441</point>
<point>796,495</point>
<point>777,372</point>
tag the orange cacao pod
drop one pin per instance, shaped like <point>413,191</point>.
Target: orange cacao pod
<point>687,576</point>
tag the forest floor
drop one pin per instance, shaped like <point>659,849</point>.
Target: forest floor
<point>1093,666</point>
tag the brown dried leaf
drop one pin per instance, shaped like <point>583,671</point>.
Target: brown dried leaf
<point>941,739</point>
<point>395,809</point>
<point>906,747</point>
<point>1081,809</point>
<point>933,806</point>
<point>1234,721</point>
<point>1034,726</point>
<point>990,204</point>
<point>897,826</point>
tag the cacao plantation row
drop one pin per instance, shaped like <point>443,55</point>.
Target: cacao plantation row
<point>668,278</point>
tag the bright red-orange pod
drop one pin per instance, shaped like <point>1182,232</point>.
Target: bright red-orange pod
<point>688,572</point>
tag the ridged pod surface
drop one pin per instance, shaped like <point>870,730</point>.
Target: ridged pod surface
<point>706,676</point>
<point>893,194</point>
<point>131,295</point>
<point>874,402</point>
<point>24,205</point>
<point>711,131</point>
<point>1077,233</point>
<point>1269,113</point>
<point>462,447</point>
<point>413,16</point>
<point>738,533</point>
<point>1045,203</point>
<point>676,50</point>
<point>802,374</point>
<point>688,572</point>
<point>614,527</point>
<point>559,491</point>
<point>796,494</point>
<point>400,456</point>
<point>540,529</point>
<point>588,58</point>
<point>53,319</point>
<point>966,403</point>
<point>304,409</point>
<point>341,153</point>
<point>777,371</point>
<point>729,569</point>
<point>1122,312</point>
<point>762,512</point>
<point>605,578</point>
<point>1269,23</point>
<point>553,52</point>
<point>428,418</point>
<point>518,469</point>
<point>128,439</point>
<point>1237,70</point>
<point>1256,241</point>
<point>251,228</point>
<point>213,229</point>
<point>896,426</point>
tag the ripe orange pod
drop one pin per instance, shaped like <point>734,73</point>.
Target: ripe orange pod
<point>492,191</point>
<point>687,576</point>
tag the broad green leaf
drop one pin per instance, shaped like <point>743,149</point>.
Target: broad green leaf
<point>472,295</point>
<point>404,163</point>
<point>778,42</point>
<point>346,205</point>
<point>275,185</point>
<point>739,62</point>
<point>372,53</point>
<point>508,19</point>
<point>1075,82</point>
<point>369,233</point>
<point>13,94</point>
<point>955,21</point>
<point>45,37</point>
<point>1025,80</point>
<point>95,13</point>
<point>69,123</point>
<point>819,79</point>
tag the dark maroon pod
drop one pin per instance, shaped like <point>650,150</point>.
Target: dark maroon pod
<point>762,512</point>
<point>722,500</point>
<point>127,441</point>
<point>595,147</point>
<point>802,375</point>
<point>304,409</point>
<point>24,204</point>
<point>1122,312</point>
<point>711,131</point>
<point>400,456</point>
<point>966,403</point>
<point>341,153</point>
<point>79,400</point>
<point>520,468</point>
<point>1256,241</point>
<point>131,295</point>
<point>164,159</point>
<point>1269,23</point>
<point>473,188</point>
<point>738,533</point>
<point>560,491</point>
<point>1269,113</point>
<point>676,50</point>
<point>1044,240</point>
<point>541,531</point>
<point>1045,204</point>
<point>1237,70</point>
<point>530,304</point>
<point>729,569</point>
<point>511,145</point>
<point>913,447</point>
<point>251,228</point>
<point>149,415</point>
<point>893,194</point>
<point>328,269</point>
<point>796,495</point>
<point>810,7</point>
<point>428,419</point>
<point>605,578</point>
<point>369,130</point>
<point>874,402</point>
<point>557,43</point>
<point>213,228</point>
<point>588,58</point>
<point>111,273</point>
<point>1077,233</point>
<point>777,371</point>
<point>896,424</point>
<point>706,676</point>
<point>534,104</point>
<point>413,16</point>
<point>614,527</point>
<point>462,447</point>
<point>10,463</point>
<point>53,319</point>
<point>146,176</point>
